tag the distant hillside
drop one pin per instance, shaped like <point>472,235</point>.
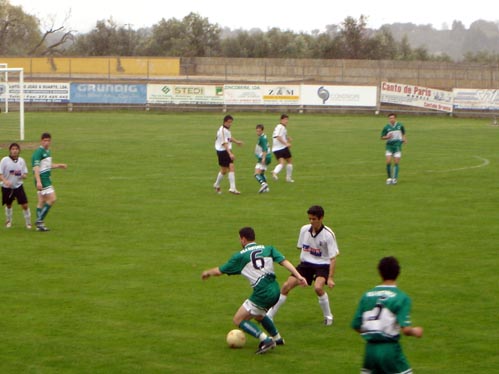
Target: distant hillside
<point>455,42</point>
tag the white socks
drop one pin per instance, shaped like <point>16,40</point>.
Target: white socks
<point>324,304</point>
<point>272,311</point>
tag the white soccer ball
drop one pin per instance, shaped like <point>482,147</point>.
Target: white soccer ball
<point>236,338</point>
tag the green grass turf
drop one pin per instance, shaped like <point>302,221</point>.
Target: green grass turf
<point>115,286</point>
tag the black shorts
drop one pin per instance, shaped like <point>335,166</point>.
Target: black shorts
<point>224,159</point>
<point>311,271</point>
<point>282,153</point>
<point>9,195</point>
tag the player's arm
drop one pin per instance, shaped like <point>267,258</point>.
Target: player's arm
<point>404,138</point>
<point>38,180</point>
<point>214,272</point>
<point>332,268</point>
<point>59,166</point>
<point>5,181</point>
<point>288,265</point>
<point>413,331</point>
<point>283,141</point>
<point>238,142</point>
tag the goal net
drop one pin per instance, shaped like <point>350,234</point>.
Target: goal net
<point>11,104</point>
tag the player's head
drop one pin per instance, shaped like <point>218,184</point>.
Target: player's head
<point>315,216</point>
<point>389,268</point>
<point>247,233</point>
<point>46,138</point>
<point>392,117</point>
<point>284,119</point>
<point>259,129</point>
<point>316,210</point>
<point>228,120</point>
<point>14,150</point>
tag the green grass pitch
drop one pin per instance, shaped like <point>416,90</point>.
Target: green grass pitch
<point>115,286</point>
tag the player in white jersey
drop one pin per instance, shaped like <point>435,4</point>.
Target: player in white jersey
<point>281,143</point>
<point>256,263</point>
<point>317,262</point>
<point>13,171</point>
<point>223,146</point>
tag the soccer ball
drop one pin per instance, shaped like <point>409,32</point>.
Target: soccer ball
<point>236,338</point>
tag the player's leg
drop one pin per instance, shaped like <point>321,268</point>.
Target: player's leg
<point>290,283</point>
<point>396,161</point>
<point>323,299</point>
<point>289,170</point>
<point>281,161</point>
<point>232,179</point>
<point>22,200</point>
<point>242,319</point>
<point>388,162</point>
<point>7,200</point>
<point>223,162</point>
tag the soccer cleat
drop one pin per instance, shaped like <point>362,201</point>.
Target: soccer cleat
<point>266,190</point>
<point>328,321</point>
<point>28,226</point>
<point>394,181</point>
<point>289,180</point>
<point>8,223</point>
<point>274,175</point>
<point>279,341</point>
<point>389,181</point>
<point>217,189</point>
<point>235,192</point>
<point>41,227</point>
<point>263,187</point>
<point>265,346</point>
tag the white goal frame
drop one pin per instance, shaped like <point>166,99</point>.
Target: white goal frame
<point>5,71</point>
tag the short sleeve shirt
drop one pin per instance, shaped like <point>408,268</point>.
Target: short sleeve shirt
<point>317,248</point>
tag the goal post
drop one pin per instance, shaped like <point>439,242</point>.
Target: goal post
<point>12,98</point>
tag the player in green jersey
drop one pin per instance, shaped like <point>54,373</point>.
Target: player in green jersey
<point>256,263</point>
<point>264,157</point>
<point>384,312</point>
<point>394,135</point>
<point>42,165</point>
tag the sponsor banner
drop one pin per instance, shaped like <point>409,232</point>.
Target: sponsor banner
<point>467,98</point>
<point>108,93</point>
<point>36,92</point>
<point>280,95</point>
<point>241,94</point>
<point>421,97</point>
<point>184,94</point>
<point>339,95</point>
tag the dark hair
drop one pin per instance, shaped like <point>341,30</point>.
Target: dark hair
<point>284,116</point>
<point>392,114</point>
<point>389,268</point>
<point>228,117</point>
<point>46,135</point>
<point>316,210</point>
<point>14,145</point>
<point>260,126</point>
<point>248,233</point>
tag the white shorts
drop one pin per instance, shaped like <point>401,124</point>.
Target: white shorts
<point>47,190</point>
<point>261,166</point>
<point>254,309</point>
<point>396,154</point>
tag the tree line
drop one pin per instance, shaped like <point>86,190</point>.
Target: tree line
<point>194,36</point>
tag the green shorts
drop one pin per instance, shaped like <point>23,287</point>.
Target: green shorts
<point>385,358</point>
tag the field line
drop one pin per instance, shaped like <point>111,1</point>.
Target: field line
<point>484,163</point>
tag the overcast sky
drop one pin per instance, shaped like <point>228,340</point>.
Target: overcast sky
<point>264,14</point>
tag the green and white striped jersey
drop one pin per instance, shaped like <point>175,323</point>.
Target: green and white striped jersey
<point>256,263</point>
<point>381,313</point>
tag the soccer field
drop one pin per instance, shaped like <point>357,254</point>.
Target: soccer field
<point>115,286</point>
